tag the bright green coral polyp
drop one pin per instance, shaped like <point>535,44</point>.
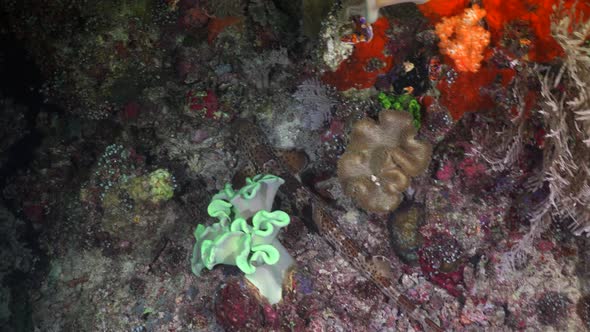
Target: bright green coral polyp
<point>245,235</point>
<point>247,244</point>
<point>161,185</point>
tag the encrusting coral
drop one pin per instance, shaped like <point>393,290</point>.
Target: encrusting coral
<point>380,159</point>
<point>463,40</point>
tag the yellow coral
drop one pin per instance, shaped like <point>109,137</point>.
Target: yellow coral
<point>380,159</point>
<point>463,40</point>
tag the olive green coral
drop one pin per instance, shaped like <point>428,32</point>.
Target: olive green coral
<point>380,160</point>
<point>156,187</point>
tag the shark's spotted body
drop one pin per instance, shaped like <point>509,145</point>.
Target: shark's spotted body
<point>253,143</point>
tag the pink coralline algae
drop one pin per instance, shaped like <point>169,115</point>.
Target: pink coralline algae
<point>553,308</point>
<point>545,245</point>
<point>441,260</point>
<point>130,111</point>
<point>205,105</point>
<point>468,170</point>
<point>237,309</point>
<point>198,136</point>
<point>271,317</point>
<point>471,168</point>
<point>446,172</point>
<point>336,130</point>
<point>316,324</point>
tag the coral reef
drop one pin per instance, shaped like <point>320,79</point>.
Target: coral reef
<point>435,10</point>
<point>367,61</point>
<point>464,94</point>
<point>583,310</point>
<point>441,260</point>
<point>402,103</point>
<point>459,204</point>
<point>17,260</point>
<point>115,40</point>
<point>404,231</point>
<point>553,308</point>
<point>156,187</point>
<point>315,103</point>
<point>238,309</point>
<point>544,47</point>
<point>380,159</point>
<point>562,175</point>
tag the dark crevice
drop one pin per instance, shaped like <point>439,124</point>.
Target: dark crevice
<point>21,82</point>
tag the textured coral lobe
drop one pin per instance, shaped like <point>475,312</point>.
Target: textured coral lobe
<point>380,159</point>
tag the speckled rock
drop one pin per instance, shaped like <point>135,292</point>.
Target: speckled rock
<point>403,226</point>
<point>237,309</point>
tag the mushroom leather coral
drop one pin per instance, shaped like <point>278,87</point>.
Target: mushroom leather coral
<point>380,159</point>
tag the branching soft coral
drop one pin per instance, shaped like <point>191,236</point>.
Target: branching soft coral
<point>564,175</point>
<point>380,160</point>
<point>463,40</point>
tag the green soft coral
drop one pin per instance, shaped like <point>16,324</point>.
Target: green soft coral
<point>405,102</point>
<point>245,235</point>
<point>258,194</point>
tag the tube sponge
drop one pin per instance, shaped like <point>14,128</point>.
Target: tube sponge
<point>246,235</point>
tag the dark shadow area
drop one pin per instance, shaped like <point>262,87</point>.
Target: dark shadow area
<point>21,83</point>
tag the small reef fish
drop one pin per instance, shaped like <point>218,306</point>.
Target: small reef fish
<point>363,32</point>
<point>255,146</point>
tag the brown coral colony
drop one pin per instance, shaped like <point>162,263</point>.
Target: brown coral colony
<point>380,160</point>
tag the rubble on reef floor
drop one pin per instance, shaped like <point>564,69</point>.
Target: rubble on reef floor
<point>100,193</point>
